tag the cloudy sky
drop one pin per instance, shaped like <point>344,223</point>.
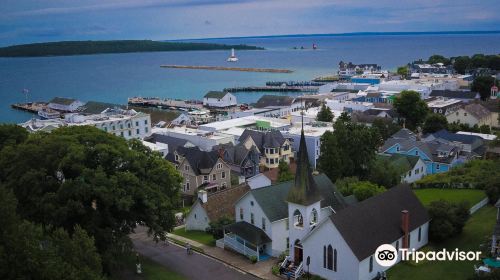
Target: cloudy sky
<point>25,21</point>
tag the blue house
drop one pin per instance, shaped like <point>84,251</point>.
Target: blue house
<point>438,157</point>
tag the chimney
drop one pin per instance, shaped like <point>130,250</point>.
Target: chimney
<point>203,196</point>
<point>405,227</point>
<point>221,152</point>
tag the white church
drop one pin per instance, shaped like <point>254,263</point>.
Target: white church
<point>325,233</point>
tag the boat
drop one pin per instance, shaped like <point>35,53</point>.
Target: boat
<point>233,57</point>
<point>315,46</point>
<point>47,114</point>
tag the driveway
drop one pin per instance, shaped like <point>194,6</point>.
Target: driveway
<point>195,266</point>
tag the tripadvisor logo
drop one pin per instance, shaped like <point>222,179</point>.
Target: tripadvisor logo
<point>386,255</point>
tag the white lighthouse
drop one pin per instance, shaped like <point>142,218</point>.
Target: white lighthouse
<point>233,57</point>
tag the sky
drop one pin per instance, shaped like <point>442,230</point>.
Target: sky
<point>27,21</point>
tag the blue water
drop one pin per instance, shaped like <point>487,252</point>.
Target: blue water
<point>114,77</point>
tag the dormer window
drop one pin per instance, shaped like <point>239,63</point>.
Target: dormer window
<point>219,165</point>
<point>314,217</point>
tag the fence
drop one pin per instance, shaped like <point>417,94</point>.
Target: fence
<point>478,206</point>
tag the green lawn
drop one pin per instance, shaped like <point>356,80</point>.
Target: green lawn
<point>476,232</point>
<point>151,270</point>
<point>426,196</point>
<point>196,235</point>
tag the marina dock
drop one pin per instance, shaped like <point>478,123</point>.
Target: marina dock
<point>295,83</point>
<point>267,70</point>
<point>273,89</point>
<point>32,107</point>
<point>172,104</point>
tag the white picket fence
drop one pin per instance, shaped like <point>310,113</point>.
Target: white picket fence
<point>478,206</point>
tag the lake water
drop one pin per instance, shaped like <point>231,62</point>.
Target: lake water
<point>114,77</point>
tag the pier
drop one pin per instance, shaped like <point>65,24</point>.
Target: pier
<point>267,70</point>
<point>32,107</point>
<point>296,83</point>
<point>272,89</point>
<point>172,104</point>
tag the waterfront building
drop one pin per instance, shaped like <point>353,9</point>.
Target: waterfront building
<point>219,99</point>
<point>462,95</point>
<point>251,122</point>
<point>65,104</point>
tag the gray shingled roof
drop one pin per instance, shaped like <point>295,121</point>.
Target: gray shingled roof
<point>273,202</point>
<point>62,100</point>
<point>201,162</point>
<point>267,139</point>
<point>215,94</point>
<point>477,110</point>
<point>249,232</point>
<point>430,148</point>
<point>377,220</point>
<point>274,100</point>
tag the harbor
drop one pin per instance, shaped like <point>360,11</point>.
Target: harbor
<point>222,68</point>
<point>32,107</point>
<point>173,104</point>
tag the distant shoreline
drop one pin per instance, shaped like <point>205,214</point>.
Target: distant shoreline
<point>342,35</point>
<point>71,48</point>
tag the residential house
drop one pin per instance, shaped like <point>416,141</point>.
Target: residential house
<point>472,114</point>
<point>243,161</point>
<point>464,96</point>
<point>412,168</point>
<point>469,145</point>
<point>212,207</point>
<point>64,104</point>
<point>493,105</point>
<point>205,140</point>
<point>312,133</point>
<point>271,145</point>
<point>311,219</point>
<point>437,156</point>
<point>201,169</point>
<point>171,142</point>
<point>218,99</point>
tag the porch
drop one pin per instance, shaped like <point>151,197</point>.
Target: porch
<point>247,240</point>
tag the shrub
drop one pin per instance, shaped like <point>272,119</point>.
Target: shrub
<point>253,259</point>
<point>447,219</point>
<point>275,270</point>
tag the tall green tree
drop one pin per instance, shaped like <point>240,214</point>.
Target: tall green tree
<point>436,58</point>
<point>383,173</point>
<point>434,122</point>
<point>483,84</point>
<point>462,64</point>
<point>360,189</point>
<point>11,134</point>
<point>87,177</point>
<point>29,251</point>
<point>411,107</point>
<point>325,114</point>
<point>385,127</point>
<point>284,173</point>
<point>349,150</point>
<point>403,71</point>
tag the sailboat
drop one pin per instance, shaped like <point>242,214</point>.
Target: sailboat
<point>233,57</point>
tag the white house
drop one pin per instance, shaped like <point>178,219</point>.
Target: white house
<point>65,104</point>
<point>472,114</point>
<point>319,227</point>
<point>211,207</point>
<point>312,135</point>
<point>219,99</point>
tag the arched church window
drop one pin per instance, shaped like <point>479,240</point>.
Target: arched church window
<point>314,217</point>
<point>298,220</point>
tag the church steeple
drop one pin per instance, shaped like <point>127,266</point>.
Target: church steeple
<point>304,190</point>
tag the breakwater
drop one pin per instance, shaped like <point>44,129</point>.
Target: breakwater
<point>222,68</point>
<point>272,89</point>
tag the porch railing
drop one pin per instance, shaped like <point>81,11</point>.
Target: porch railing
<point>298,271</point>
<point>239,247</point>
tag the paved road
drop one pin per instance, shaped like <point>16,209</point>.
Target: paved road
<point>195,266</point>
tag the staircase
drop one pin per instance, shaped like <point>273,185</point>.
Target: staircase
<point>296,270</point>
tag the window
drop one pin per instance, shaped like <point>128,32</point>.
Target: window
<point>176,157</point>
<point>324,256</point>
<point>219,165</point>
<point>186,167</point>
<point>205,178</point>
<point>137,131</point>
<point>371,264</point>
<point>214,177</point>
<point>287,242</point>
<point>241,213</point>
<point>416,153</point>
<point>136,123</point>
<point>114,127</point>
<point>145,121</point>
<point>397,148</point>
<point>252,219</point>
<point>223,175</point>
<point>195,216</point>
<point>187,186</point>
<point>263,223</point>
<point>465,114</point>
<point>129,133</point>
<point>330,257</point>
<point>397,246</point>
<point>224,185</point>
<point>419,234</point>
<point>287,225</point>
<point>335,260</point>
<point>146,129</point>
<point>438,166</point>
<point>121,134</point>
<point>251,203</point>
<point>129,125</point>
<point>106,129</point>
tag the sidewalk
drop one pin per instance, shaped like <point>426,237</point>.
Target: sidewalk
<point>260,269</point>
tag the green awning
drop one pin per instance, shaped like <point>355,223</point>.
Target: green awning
<point>248,232</point>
